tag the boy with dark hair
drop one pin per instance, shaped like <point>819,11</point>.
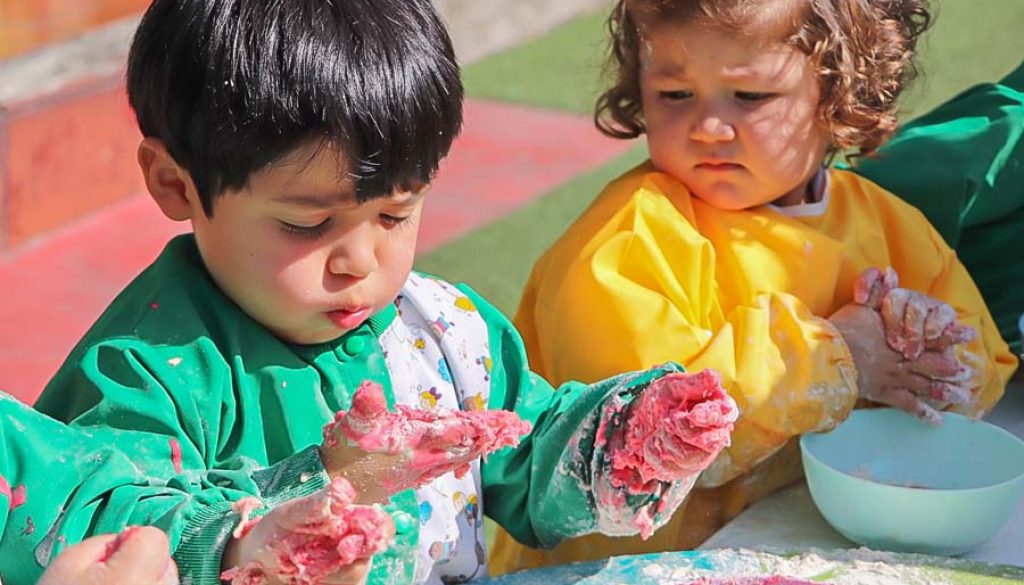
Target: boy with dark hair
<point>298,139</point>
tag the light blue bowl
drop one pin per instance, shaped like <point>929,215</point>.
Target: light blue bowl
<point>888,481</point>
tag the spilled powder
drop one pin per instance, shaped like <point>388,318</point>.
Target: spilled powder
<point>774,580</point>
<point>433,442</point>
<point>336,534</point>
<point>674,430</point>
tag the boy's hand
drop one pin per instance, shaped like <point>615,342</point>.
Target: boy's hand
<point>884,375</point>
<point>383,452</point>
<point>322,538</point>
<point>673,431</point>
<point>914,322</point>
<point>138,556</point>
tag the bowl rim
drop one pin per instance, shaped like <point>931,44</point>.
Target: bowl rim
<point>806,452</point>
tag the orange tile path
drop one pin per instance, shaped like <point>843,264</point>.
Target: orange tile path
<point>26,25</point>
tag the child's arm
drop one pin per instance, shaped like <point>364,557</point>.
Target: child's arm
<point>187,444</point>
<point>650,294</point>
<point>557,483</point>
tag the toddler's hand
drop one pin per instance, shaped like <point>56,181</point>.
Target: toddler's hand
<point>323,538</point>
<point>673,431</point>
<point>914,322</point>
<point>137,556</point>
<point>385,452</point>
<point>884,375</point>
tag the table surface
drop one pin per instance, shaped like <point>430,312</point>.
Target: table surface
<point>789,520</point>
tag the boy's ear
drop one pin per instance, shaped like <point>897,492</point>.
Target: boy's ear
<point>169,184</point>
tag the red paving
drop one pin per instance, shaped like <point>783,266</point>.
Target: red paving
<point>52,290</point>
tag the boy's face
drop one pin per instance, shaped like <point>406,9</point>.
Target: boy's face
<point>733,119</point>
<point>300,255</point>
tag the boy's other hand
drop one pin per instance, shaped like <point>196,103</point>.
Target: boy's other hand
<point>914,322</point>
<point>138,556</point>
<point>322,538</point>
<point>934,379</point>
<point>672,431</point>
<point>384,452</point>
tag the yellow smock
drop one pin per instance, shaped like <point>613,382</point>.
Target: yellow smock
<point>649,274</point>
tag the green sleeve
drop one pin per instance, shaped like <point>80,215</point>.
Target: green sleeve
<point>547,489</point>
<point>175,418</point>
<point>960,163</point>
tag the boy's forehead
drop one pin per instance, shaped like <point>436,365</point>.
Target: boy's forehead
<point>317,169</point>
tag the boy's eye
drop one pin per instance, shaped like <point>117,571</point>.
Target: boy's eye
<point>675,95</point>
<point>392,220</point>
<point>310,232</point>
<point>754,96</point>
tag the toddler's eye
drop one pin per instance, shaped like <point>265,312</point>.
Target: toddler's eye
<point>392,220</point>
<point>676,95</point>
<point>754,96</point>
<point>309,232</point>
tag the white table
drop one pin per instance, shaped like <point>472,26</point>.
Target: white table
<point>789,520</point>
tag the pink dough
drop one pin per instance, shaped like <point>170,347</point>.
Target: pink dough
<point>773,580</point>
<point>114,545</point>
<point>245,507</point>
<point>16,497</point>
<point>334,535</point>
<point>433,441</point>
<point>674,430</point>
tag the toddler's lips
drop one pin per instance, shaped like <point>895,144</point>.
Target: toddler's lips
<point>719,166</point>
<point>349,320</point>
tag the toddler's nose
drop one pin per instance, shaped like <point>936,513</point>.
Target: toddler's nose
<point>712,128</point>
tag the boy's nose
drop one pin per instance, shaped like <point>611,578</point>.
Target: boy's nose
<point>356,257</point>
<point>712,128</point>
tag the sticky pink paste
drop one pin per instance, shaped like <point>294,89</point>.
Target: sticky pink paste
<point>176,455</point>
<point>336,534</point>
<point>15,497</point>
<point>773,580</point>
<point>114,545</point>
<point>434,441</point>
<point>245,507</point>
<point>676,428</point>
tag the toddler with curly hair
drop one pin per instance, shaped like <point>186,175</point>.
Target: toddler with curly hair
<point>736,247</point>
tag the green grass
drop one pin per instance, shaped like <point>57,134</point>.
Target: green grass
<point>496,260</point>
<point>972,41</point>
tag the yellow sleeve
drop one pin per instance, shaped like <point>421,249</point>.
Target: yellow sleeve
<point>641,290</point>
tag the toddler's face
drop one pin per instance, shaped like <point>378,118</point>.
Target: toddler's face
<point>300,255</point>
<point>732,119</point>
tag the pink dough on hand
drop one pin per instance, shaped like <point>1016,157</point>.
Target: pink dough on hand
<point>675,429</point>
<point>331,534</point>
<point>434,442</point>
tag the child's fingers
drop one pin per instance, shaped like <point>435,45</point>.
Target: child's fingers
<point>76,561</point>
<point>942,366</point>
<point>143,556</point>
<point>949,393</point>
<point>868,288</point>
<point>941,317</point>
<point>908,401</point>
<point>893,308</point>
<point>914,316</point>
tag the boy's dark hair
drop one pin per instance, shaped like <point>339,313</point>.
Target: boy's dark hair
<point>862,50</point>
<point>230,86</point>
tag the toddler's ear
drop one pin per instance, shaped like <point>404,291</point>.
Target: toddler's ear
<point>169,183</point>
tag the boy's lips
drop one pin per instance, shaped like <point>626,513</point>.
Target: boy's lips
<point>348,319</point>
